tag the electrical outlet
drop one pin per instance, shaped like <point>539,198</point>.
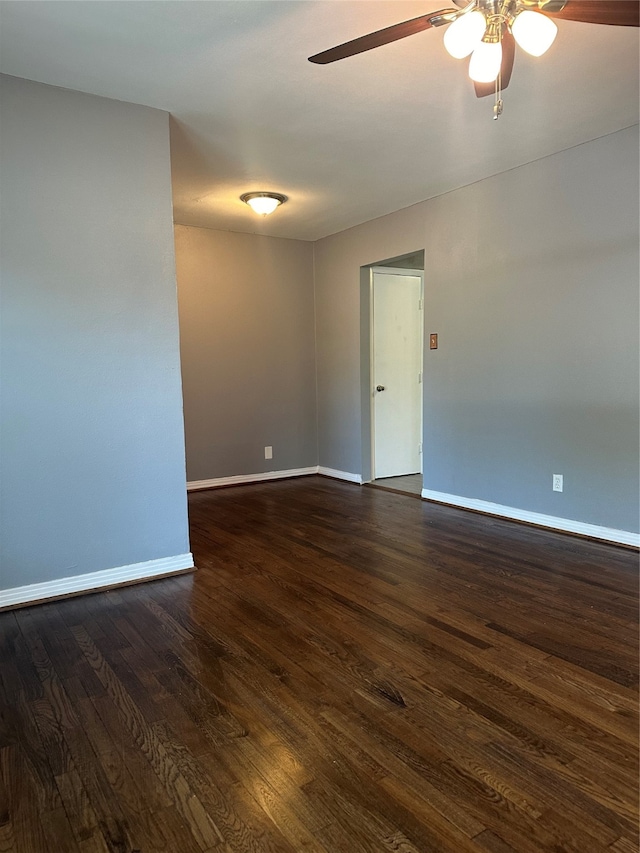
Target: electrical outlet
<point>268,453</point>
<point>557,482</point>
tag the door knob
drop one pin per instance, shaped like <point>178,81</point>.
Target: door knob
<point>379,387</point>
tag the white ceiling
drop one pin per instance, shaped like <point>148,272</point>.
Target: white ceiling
<point>346,142</point>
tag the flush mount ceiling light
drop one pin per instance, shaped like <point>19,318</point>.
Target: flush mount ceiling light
<point>490,29</point>
<point>263,202</point>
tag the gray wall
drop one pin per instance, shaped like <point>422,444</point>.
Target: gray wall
<point>531,281</point>
<point>92,450</point>
<point>248,352</point>
<point>337,262</point>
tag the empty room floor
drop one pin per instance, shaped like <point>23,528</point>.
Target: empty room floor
<point>410,484</point>
<point>349,670</point>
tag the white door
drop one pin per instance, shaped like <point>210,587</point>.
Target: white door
<point>397,374</point>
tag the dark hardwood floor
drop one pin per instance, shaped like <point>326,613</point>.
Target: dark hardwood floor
<point>350,671</point>
<point>409,484</point>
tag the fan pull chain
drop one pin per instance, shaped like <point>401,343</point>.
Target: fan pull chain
<point>498,106</point>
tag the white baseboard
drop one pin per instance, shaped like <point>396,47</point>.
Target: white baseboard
<point>238,479</point>
<point>609,534</point>
<point>95,580</point>
<point>339,475</point>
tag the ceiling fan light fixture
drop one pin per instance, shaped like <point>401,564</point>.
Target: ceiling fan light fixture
<point>485,62</point>
<point>534,32</point>
<point>464,34</point>
<point>263,203</point>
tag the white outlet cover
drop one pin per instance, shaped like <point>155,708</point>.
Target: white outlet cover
<point>557,482</point>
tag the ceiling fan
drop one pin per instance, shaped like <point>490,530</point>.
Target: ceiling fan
<point>488,30</point>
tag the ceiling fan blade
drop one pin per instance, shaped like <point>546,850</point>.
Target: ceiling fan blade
<point>617,13</point>
<point>508,57</point>
<point>380,37</point>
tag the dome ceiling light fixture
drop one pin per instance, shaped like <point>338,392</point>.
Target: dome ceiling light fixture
<point>490,29</point>
<point>263,203</point>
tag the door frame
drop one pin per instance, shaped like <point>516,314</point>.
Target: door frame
<point>370,378</point>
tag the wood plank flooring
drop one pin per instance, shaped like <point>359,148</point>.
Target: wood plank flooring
<point>410,484</point>
<point>350,671</point>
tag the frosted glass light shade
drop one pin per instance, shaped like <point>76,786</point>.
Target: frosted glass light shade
<point>263,203</point>
<point>464,34</point>
<point>485,62</point>
<point>534,32</point>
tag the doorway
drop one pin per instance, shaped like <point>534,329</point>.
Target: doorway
<point>395,375</point>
